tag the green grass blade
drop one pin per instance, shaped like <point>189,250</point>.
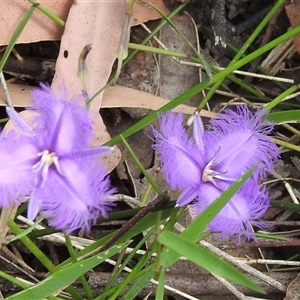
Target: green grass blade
<point>40,255</point>
<point>14,280</point>
<point>21,25</point>
<point>284,205</point>
<point>144,224</point>
<point>65,276</point>
<point>28,230</point>
<point>155,31</point>
<point>141,167</point>
<point>204,84</point>
<point>138,271</point>
<point>242,50</point>
<point>20,283</point>
<point>258,29</point>
<point>200,57</point>
<point>205,259</point>
<point>161,51</point>
<point>141,282</point>
<point>287,116</point>
<point>160,287</point>
<point>281,97</point>
<point>129,257</point>
<point>43,9</point>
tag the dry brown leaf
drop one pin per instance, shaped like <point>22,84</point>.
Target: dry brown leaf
<point>119,96</point>
<point>293,13</point>
<point>293,289</point>
<point>113,97</point>
<point>91,23</point>
<point>20,95</point>
<point>41,28</point>
<point>143,13</point>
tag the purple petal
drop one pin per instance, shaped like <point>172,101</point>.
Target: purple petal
<point>187,196</point>
<point>17,154</point>
<point>198,132</point>
<point>76,199</point>
<point>246,207</point>
<point>92,151</point>
<point>181,159</point>
<point>240,141</point>
<point>19,122</point>
<point>66,124</point>
<point>34,205</point>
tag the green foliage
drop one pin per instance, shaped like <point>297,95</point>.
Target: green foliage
<point>168,247</point>
<point>65,276</point>
<point>205,259</point>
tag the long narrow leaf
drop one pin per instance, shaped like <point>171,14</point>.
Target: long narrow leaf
<point>144,224</point>
<point>286,116</point>
<point>21,25</point>
<point>160,287</point>
<point>65,276</point>
<point>205,259</point>
<point>139,285</point>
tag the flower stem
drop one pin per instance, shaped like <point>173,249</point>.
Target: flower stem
<point>141,167</point>
<point>82,279</point>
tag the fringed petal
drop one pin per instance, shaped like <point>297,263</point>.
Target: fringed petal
<point>246,207</point>
<point>240,141</point>
<point>66,124</point>
<point>77,198</point>
<point>55,163</point>
<point>17,154</point>
<point>181,159</point>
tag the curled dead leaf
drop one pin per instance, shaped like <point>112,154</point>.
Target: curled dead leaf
<point>45,29</point>
<point>113,97</point>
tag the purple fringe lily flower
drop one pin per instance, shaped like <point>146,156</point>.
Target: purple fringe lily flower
<point>203,166</point>
<point>54,163</point>
<point>181,159</point>
<point>244,209</point>
<point>237,141</point>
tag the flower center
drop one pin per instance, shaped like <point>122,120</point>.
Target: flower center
<point>209,174</point>
<point>46,160</point>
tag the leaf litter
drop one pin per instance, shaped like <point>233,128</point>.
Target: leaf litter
<point>132,97</point>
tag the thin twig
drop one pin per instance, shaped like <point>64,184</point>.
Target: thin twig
<point>238,263</point>
<point>161,199</point>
